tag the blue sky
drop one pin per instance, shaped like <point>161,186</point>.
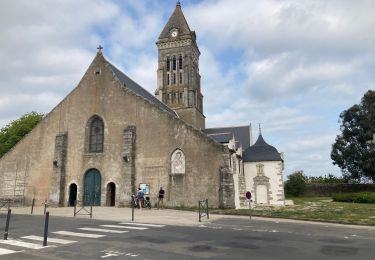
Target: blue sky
<point>291,65</point>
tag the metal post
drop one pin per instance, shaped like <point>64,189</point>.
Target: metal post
<point>32,206</point>
<point>199,207</point>
<point>250,209</point>
<point>45,207</point>
<point>46,229</point>
<point>7,225</point>
<point>8,204</point>
<point>91,210</point>
<point>208,217</point>
<point>132,207</point>
<point>75,207</point>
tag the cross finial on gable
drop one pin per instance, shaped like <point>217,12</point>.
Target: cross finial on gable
<point>100,48</point>
<point>178,3</point>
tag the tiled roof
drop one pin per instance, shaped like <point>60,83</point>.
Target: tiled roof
<point>222,138</point>
<point>241,133</point>
<point>260,152</point>
<point>178,21</point>
<point>137,89</point>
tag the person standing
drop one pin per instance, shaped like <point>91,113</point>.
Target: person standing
<point>161,198</point>
<point>140,197</point>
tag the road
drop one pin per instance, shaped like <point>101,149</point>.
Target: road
<point>83,238</point>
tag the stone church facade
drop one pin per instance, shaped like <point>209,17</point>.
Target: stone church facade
<point>110,136</point>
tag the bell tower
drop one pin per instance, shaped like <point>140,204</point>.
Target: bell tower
<point>178,79</point>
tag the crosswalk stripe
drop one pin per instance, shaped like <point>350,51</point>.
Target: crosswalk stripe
<point>104,230</point>
<point>21,244</point>
<point>76,234</point>
<point>52,240</point>
<point>128,227</point>
<point>4,251</point>
<point>141,224</point>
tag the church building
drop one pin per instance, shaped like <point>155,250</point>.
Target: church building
<point>110,136</point>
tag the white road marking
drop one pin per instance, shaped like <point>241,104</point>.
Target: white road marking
<point>141,224</point>
<point>76,234</point>
<point>52,240</point>
<point>237,228</point>
<point>4,251</point>
<point>128,227</point>
<point>21,244</point>
<point>109,253</point>
<point>103,230</point>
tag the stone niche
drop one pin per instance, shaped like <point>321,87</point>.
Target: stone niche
<point>178,163</point>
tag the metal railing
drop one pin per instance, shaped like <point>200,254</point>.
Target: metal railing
<point>83,210</point>
<point>203,209</point>
<point>5,204</point>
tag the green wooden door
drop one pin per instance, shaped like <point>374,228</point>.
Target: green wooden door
<point>92,188</point>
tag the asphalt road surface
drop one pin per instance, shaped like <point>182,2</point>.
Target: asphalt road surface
<point>83,238</point>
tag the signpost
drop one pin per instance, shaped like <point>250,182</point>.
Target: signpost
<point>248,199</point>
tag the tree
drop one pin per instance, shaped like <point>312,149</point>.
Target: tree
<point>353,150</point>
<point>296,183</point>
<point>12,133</point>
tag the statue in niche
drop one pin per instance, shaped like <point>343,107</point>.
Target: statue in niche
<point>178,162</point>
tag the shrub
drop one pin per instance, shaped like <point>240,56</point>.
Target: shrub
<point>358,197</point>
<point>296,184</point>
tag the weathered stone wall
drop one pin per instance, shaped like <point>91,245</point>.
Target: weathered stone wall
<point>139,139</point>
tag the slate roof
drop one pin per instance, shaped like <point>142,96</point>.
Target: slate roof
<point>177,20</point>
<point>137,89</point>
<point>222,138</point>
<point>241,133</point>
<point>260,152</point>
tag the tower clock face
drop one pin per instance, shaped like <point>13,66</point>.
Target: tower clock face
<point>174,33</point>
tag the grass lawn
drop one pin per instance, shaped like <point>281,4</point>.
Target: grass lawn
<point>316,209</point>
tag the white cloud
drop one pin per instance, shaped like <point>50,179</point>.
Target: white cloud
<point>291,65</point>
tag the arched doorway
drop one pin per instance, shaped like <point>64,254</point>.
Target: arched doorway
<point>72,194</point>
<point>92,188</point>
<point>111,194</point>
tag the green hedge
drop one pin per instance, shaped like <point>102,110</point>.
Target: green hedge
<point>358,197</point>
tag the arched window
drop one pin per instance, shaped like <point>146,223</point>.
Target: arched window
<point>174,61</point>
<point>174,78</point>
<point>168,64</point>
<point>96,139</point>
<point>180,77</point>
<point>180,62</point>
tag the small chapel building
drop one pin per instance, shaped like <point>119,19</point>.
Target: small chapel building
<point>110,136</point>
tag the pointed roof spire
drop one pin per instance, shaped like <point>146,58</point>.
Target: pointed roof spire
<point>176,21</point>
<point>260,130</point>
<point>261,151</point>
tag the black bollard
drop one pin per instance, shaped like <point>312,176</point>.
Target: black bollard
<point>7,225</point>
<point>208,216</point>
<point>46,229</point>
<point>199,210</point>
<point>32,206</point>
<point>75,207</point>
<point>132,211</point>
<point>45,207</point>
